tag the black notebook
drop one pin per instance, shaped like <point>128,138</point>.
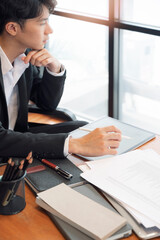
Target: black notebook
<point>46,178</point>
<point>132,137</point>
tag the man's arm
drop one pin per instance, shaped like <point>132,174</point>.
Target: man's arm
<point>101,141</point>
<point>17,144</point>
<point>47,87</point>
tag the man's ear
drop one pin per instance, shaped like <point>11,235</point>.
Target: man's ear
<point>12,28</point>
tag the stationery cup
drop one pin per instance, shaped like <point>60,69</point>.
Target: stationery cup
<point>12,196</point>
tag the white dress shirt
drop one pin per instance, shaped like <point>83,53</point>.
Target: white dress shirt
<point>11,75</point>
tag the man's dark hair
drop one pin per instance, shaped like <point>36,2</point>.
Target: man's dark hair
<point>21,10</point>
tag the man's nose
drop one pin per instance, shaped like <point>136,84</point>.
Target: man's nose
<point>48,29</point>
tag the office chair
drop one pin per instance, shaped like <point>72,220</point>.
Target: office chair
<point>61,113</point>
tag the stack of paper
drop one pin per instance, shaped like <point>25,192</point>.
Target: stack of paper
<point>80,211</point>
<point>133,179</point>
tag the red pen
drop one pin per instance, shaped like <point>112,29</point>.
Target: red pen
<point>60,171</point>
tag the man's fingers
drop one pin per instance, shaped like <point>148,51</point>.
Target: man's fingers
<point>44,61</point>
<point>40,58</point>
<point>28,57</point>
<point>33,55</point>
<point>111,129</point>
<point>112,151</point>
<point>114,136</point>
<point>113,144</point>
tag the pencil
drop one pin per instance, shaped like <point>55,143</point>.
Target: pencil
<point>15,167</point>
<point>27,163</point>
<point>29,155</point>
<point>4,178</point>
<point>10,171</point>
<point>18,173</point>
<point>90,130</point>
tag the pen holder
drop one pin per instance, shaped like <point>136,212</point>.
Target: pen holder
<point>12,196</point>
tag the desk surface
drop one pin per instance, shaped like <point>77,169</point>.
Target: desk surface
<point>32,223</point>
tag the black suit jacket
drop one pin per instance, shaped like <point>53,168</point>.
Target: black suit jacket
<point>46,91</point>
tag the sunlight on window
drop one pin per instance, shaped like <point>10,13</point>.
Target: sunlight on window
<point>83,48</point>
<point>99,8</point>
<point>141,11</point>
<point>140,80</point>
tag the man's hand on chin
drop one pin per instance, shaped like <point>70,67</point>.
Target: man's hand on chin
<point>43,58</point>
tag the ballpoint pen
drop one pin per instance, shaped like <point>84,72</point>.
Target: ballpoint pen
<point>60,171</point>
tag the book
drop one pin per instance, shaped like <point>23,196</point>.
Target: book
<point>71,233</point>
<point>80,211</point>
<point>133,136</point>
<point>41,180</point>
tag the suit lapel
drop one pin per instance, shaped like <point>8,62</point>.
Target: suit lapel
<point>21,124</point>
<point>3,104</point>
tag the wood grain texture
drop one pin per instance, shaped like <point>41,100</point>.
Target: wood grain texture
<point>43,118</point>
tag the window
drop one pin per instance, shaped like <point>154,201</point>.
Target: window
<point>92,7</point>
<point>111,50</point>
<point>140,79</point>
<point>83,48</point>
<point>141,11</point>
<point>139,64</point>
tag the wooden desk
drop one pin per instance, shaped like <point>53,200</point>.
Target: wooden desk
<point>34,224</point>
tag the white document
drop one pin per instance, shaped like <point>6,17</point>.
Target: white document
<point>139,217</point>
<point>133,178</point>
<point>142,219</point>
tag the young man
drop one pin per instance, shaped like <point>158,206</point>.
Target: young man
<point>24,25</point>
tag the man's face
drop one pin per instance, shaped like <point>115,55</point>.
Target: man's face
<point>34,33</point>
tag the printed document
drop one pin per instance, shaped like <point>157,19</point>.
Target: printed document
<point>133,179</point>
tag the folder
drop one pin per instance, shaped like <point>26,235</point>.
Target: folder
<point>42,180</point>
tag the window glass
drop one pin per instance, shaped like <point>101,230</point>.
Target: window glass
<point>95,7</point>
<point>140,80</point>
<point>83,48</point>
<point>141,11</point>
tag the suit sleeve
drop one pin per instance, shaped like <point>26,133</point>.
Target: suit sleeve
<point>46,89</point>
<point>17,144</point>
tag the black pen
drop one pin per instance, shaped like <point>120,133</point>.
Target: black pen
<point>60,171</point>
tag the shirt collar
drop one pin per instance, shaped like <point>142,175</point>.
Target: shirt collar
<point>6,64</point>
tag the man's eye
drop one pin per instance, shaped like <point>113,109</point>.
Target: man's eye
<point>44,22</point>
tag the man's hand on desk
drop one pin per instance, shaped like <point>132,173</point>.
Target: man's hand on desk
<point>101,141</point>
